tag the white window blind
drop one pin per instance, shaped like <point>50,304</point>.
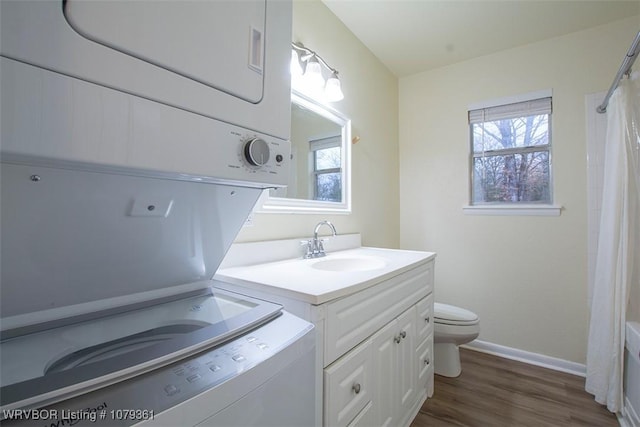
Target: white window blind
<point>324,143</point>
<point>533,107</point>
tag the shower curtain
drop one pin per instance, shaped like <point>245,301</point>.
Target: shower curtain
<point>618,257</point>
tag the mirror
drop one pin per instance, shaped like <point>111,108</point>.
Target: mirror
<point>319,177</point>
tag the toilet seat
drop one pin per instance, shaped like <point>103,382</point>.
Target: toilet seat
<point>451,315</point>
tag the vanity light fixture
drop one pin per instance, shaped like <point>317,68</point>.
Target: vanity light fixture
<point>311,81</point>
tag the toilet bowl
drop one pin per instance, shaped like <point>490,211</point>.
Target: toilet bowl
<point>453,326</point>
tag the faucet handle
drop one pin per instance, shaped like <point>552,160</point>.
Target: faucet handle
<point>309,245</point>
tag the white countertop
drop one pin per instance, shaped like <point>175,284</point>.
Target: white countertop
<point>298,279</point>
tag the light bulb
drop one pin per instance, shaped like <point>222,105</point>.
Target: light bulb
<point>332,90</point>
<point>313,74</point>
<point>296,69</point>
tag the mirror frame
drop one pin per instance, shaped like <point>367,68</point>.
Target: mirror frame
<point>286,205</point>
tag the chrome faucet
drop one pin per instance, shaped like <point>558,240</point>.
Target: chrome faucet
<point>315,246</point>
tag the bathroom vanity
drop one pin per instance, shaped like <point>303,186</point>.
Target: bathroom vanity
<point>372,309</point>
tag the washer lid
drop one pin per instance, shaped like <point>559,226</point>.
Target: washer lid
<point>451,314</point>
<point>56,360</point>
<point>73,240</point>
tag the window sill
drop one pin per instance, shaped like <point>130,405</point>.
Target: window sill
<point>513,210</point>
<point>279,205</point>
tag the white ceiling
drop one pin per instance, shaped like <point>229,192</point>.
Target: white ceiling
<point>410,36</point>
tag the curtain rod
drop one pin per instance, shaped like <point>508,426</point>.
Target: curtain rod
<point>625,68</point>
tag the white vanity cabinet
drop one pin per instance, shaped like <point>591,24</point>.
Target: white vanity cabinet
<point>374,330</point>
<point>392,321</point>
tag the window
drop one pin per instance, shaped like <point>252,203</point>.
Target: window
<point>327,168</point>
<point>511,153</point>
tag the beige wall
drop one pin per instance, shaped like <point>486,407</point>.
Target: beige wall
<point>371,102</point>
<point>526,277</point>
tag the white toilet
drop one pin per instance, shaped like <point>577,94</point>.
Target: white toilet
<point>453,326</point>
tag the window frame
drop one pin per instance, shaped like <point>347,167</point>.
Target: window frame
<point>319,145</point>
<point>544,208</point>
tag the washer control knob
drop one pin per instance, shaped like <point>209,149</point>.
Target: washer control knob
<point>256,152</point>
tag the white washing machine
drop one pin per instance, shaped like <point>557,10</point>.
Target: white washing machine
<point>110,316</point>
<point>136,139</point>
<point>203,358</point>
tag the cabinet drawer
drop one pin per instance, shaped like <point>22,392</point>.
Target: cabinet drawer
<point>352,319</point>
<point>424,359</point>
<point>424,321</point>
<point>348,386</point>
<point>364,418</point>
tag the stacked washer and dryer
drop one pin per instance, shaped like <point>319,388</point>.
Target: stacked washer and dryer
<point>136,139</point>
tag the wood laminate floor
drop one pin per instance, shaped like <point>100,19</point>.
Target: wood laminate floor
<point>497,392</point>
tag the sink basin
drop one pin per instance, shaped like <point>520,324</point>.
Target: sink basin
<point>349,264</point>
<point>315,281</point>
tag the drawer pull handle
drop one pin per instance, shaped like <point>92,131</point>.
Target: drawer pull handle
<point>403,334</point>
<point>356,388</point>
<point>427,361</point>
<point>397,339</point>
<point>427,319</point>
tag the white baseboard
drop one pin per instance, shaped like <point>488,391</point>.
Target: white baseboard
<point>528,357</point>
<point>629,417</point>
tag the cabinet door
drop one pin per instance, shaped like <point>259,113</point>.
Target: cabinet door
<point>424,363</point>
<point>406,372</point>
<point>394,355</point>
<point>424,319</point>
<point>385,367</point>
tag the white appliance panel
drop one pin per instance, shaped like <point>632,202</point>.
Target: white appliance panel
<point>48,115</point>
<point>169,55</point>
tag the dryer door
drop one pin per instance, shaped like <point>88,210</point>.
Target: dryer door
<point>227,60</point>
<point>221,47</point>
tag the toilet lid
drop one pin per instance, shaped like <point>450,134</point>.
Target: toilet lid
<point>450,314</point>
